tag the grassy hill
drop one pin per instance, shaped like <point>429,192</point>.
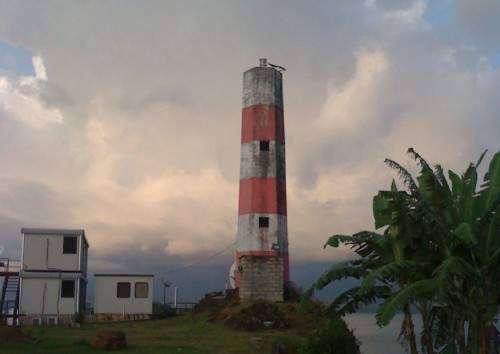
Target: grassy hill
<point>184,334</point>
<point>234,328</point>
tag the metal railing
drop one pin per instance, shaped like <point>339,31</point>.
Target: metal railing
<point>9,298</point>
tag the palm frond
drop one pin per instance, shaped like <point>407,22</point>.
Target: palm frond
<point>449,276</point>
<point>456,184</point>
<point>481,158</point>
<point>342,270</point>
<point>465,235</point>
<point>390,306</point>
<point>403,174</point>
<point>387,272</point>
<point>364,243</point>
<point>420,160</point>
<point>488,226</point>
<point>467,198</point>
<point>350,301</point>
<point>445,187</point>
<point>490,189</point>
<point>381,210</point>
<point>305,299</point>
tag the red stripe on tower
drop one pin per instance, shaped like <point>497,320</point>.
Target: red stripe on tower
<point>262,123</point>
<point>262,196</point>
<point>262,213</point>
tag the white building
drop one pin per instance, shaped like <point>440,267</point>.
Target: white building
<point>123,295</point>
<point>53,277</point>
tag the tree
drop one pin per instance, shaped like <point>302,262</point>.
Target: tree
<point>439,253</point>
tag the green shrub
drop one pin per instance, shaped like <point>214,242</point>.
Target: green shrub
<point>258,315</point>
<point>335,338</point>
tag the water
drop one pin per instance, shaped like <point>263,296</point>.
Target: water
<point>376,340</point>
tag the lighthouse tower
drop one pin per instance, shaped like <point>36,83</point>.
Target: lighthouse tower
<point>262,263</point>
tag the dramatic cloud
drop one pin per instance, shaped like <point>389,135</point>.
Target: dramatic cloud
<point>130,125</point>
<point>20,98</point>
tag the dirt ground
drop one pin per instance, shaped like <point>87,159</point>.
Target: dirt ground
<point>9,334</point>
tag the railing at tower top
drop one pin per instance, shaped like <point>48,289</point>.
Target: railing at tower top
<point>9,299</point>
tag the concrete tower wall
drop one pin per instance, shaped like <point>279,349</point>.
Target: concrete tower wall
<point>260,238</point>
<point>262,86</point>
<point>262,278</point>
<point>255,164</point>
<point>262,213</point>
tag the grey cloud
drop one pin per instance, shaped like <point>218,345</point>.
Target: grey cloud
<point>392,5</point>
<point>10,236</point>
<point>31,201</point>
<point>157,95</point>
<point>55,95</point>
<point>479,19</point>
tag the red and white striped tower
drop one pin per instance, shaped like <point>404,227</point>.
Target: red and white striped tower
<point>262,214</point>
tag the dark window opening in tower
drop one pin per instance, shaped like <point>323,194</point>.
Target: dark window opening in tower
<point>264,146</point>
<point>263,222</point>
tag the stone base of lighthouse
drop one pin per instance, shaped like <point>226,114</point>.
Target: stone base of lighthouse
<point>261,278</point>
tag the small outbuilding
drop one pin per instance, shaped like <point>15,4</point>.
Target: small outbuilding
<point>123,296</point>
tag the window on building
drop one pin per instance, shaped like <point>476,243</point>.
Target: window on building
<point>264,146</point>
<point>123,290</point>
<point>141,290</point>
<point>263,221</point>
<point>68,288</point>
<point>70,244</point>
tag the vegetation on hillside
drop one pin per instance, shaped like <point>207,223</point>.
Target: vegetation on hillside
<point>227,327</point>
<point>439,253</point>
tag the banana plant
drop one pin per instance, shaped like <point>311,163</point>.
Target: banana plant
<point>439,253</point>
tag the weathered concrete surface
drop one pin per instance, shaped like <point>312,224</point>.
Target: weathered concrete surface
<point>262,85</point>
<point>256,163</point>
<point>262,194</point>
<point>261,278</point>
<point>251,237</point>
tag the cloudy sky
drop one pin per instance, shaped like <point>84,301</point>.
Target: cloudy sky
<point>123,118</point>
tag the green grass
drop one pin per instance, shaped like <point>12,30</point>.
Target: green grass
<point>186,334</point>
<point>205,332</point>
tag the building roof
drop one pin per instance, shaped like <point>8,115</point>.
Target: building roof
<point>62,232</point>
